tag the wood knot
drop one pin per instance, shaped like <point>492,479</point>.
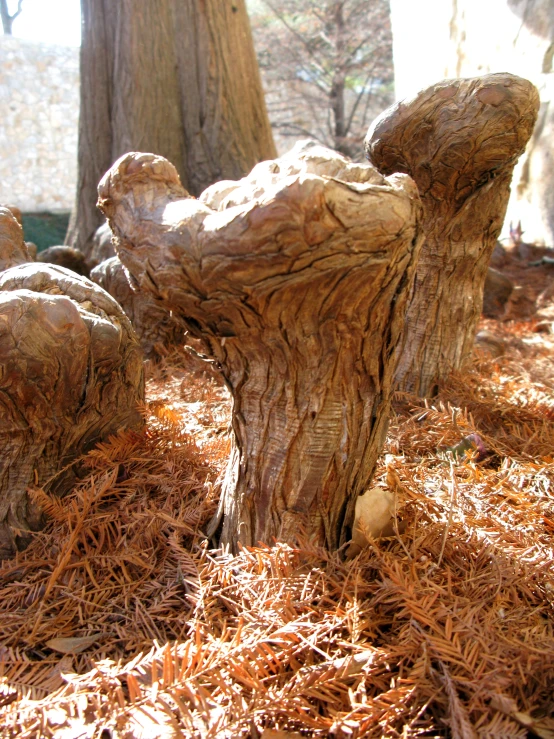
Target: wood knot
<point>493,95</point>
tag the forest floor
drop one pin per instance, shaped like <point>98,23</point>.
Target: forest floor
<point>120,621</point>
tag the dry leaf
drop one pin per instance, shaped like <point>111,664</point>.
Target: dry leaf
<point>542,728</point>
<point>73,645</point>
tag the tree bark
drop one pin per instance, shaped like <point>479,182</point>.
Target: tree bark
<point>71,376</point>
<point>459,140</point>
<point>13,250</point>
<point>297,285</point>
<point>154,324</point>
<point>175,77</point>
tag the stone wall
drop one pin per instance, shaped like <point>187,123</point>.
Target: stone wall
<point>39,112</point>
<point>437,39</point>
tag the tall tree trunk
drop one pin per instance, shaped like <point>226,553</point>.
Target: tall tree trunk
<point>178,78</point>
<point>299,293</point>
<point>459,140</point>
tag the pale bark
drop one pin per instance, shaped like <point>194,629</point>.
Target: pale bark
<point>297,285</point>
<point>71,375</point>
<point>155,326</point>
<point>7,19</point>
<point>178,78</point>
<point>459,140</point>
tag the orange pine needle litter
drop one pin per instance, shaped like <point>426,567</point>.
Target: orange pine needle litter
<point>119,620</point>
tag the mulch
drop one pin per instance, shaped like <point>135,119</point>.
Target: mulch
<point>121,620</point>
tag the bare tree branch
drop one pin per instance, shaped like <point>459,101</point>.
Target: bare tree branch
<point>7,19</point>
<point>330,62</point>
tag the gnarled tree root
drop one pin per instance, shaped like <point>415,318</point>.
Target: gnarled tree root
<point>155,326</point>
<point>459,140</point>
<point>296,279</point>
<point>71,374</point>
<point>13,250</point>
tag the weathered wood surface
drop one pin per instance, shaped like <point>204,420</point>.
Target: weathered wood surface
<point>71,374</point>
<point>101,247</point>
<point>459,140</point>
<point>297,285</point>
<point>155,326</point>
<point>13,250</point>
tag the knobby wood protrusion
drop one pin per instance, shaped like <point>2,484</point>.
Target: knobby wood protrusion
<point>71,375</point>
<point>459,140</point>
<point>296,279</point>
<point>155,326</point>
<point>13,250</point>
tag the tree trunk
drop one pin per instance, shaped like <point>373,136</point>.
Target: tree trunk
<point>297,284</point>
<point>178,78</point>
<point>336,96</point>
<point>459,140</point>
<point>7,19</point>
<point>71,375</point>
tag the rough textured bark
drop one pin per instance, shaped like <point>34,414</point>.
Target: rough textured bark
<point>154,324</point>
<point>13,250</point>
<point>175,77</point>
<point>297,286</point>
<point>459,140</point>
<point>71,374</point>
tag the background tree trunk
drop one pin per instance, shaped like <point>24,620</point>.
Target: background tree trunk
<point>459,140</point>
<point>299,294</point>
<point>178,78</point>
<point>7,19</point>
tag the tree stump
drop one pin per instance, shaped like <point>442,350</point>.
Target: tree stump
<point>299,296</point>
<point>71,375</point>
<point>459,140</point>
<point>154,324</point>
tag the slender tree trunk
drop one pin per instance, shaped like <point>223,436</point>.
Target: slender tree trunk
<point>459,140</point>
<point>337,94</point>
<point>299,295</point>
<point>178,78</point>
<point>7,19</point>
